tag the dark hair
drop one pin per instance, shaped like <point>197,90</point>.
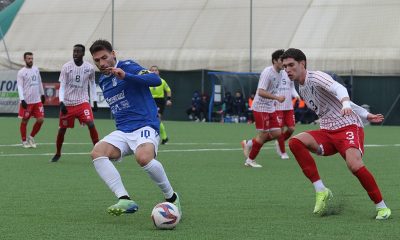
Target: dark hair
<point>296,54</point>
<point>99,45</point>
<point>81,46</point>
<point>277,54</point>
<point>27,53</point>
<point>154,66</point>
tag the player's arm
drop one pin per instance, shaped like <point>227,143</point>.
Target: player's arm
<point>364,114</point>
<point>41,90</point>
<point>338,90</point>
<point>137,75</point>
<point>262,86</point>
<point>20,86</point>
<point>167,90</point>
<point>263,93</point>
<point>61,91</point>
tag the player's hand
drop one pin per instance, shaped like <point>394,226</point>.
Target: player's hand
<point>24,104</point>
<point>280,99</point>
<point>118,72</point>
<point>168,103</point>
<point>63,108</point>
<point>346,111</point>
<point>95,108</point>
<point>42,99</point>
<point>375,118</point>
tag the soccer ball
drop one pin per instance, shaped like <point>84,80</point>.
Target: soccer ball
<point>165,215</point>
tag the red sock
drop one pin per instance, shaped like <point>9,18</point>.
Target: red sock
<point>36,128</point>
<point>281,142</point>
<point>304,159</point>
<point>255,149</point>
<point>368,182</point>
<point>22,130</point>
<point>59,142</point>
<point>94,135</point>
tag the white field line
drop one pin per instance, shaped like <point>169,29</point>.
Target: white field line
<point>89,143</point>
<point>168,150</point>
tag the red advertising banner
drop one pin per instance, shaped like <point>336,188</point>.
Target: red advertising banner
<point>51,93</point>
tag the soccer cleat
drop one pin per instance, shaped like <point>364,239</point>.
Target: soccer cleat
<point>32,142</point>
<point>321,201</point>
<point>252,163</point>
<point>123,206</point>
<point>246,149</point>
<point>383,213</point>
<point>177,203</point>
<point>55,158</point>
<point>278,149</point>
<point>164,141</point>
<point>26,144</point>
<point>284,156</point>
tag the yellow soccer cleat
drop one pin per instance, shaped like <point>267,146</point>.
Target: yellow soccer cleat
<point>321,201</point>
<point>383,213</point>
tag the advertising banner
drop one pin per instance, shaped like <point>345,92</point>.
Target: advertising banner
<point>9,99</point>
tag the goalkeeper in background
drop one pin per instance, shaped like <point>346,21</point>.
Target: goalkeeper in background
<point>158,94</point>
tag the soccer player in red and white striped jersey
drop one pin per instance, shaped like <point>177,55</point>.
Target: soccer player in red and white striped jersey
<point>341,131</point>
<point>76,78</point>
<point>267,123</point>
<point>31,95</point>
<point>285,113</point>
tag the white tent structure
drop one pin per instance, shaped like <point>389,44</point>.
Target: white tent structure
<point>359,36</point>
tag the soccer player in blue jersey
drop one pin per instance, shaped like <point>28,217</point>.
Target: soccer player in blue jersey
<point>125,85</point>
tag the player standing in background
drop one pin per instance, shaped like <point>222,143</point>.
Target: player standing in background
<point>158,93</point>
<point>31,96</point>
<point>76,77</point>
<point>341,130</point>
<point>267,123</point>
<point>125,85</point>
<point>285,113</point>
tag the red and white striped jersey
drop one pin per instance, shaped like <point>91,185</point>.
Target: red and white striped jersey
<point>319,95</point>
<point>29,85</point>
<point>287,89</point>
<point>74,83</point>
<point>269,81</point>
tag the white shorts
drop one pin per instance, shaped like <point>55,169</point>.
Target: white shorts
<point>128,142</point>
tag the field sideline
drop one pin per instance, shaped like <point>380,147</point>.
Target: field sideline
<point>221,199</point>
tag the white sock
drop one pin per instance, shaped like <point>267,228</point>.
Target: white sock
<point>110,176</point>
<point>249,143</point>
<point>381,204</point>
<point>319,186</point>
<point>157,174</point>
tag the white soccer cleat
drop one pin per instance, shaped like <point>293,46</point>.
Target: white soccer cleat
<point>25,144</point>
<point>278,150</point>
<point>246,149</point>
<point>284,156</point>
<point>32,142</point>
<point>252,163</point>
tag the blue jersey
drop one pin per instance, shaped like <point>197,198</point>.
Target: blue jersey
<point>130,99</point>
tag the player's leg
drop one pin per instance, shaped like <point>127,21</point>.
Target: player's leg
<point>353,143</point>
<point>94,135</point>
<point>38,113</point>
<point>22,130</point>
<point>301,145</point>
<point>85,116</point>
<point>145,150</point>
<point>59,142</point>
<point>35,130</point>
<point>24,114</point>
<point>288,120</point>
<point>101,154</point>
